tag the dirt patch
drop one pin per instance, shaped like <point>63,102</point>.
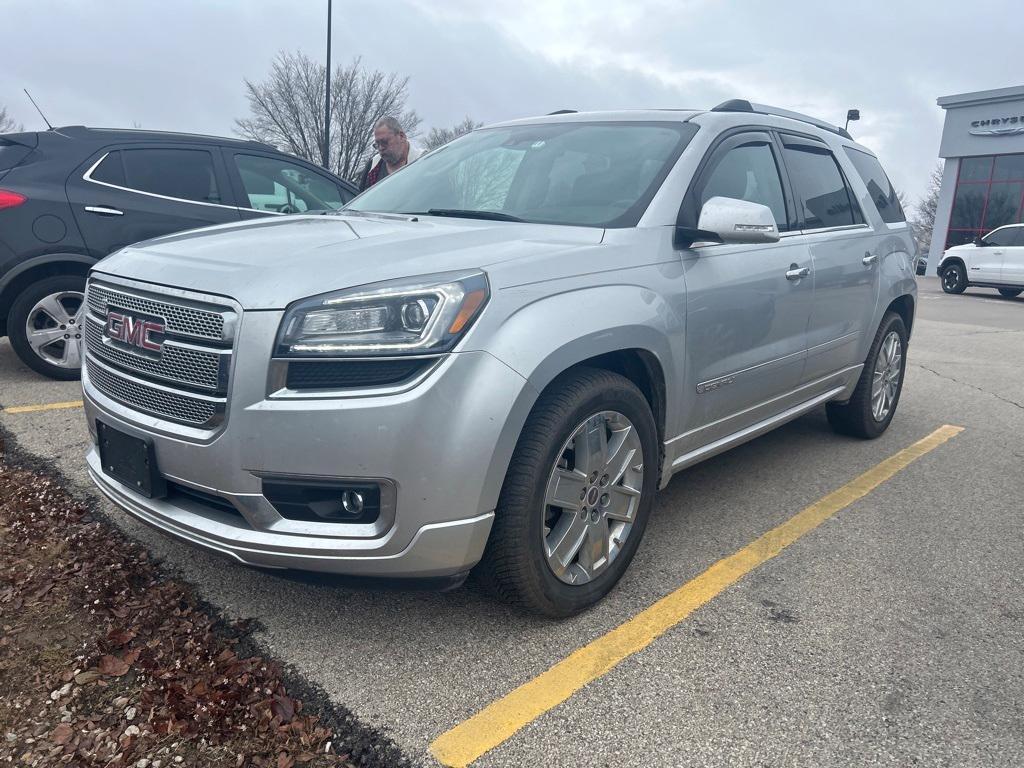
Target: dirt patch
<point>104,661</point>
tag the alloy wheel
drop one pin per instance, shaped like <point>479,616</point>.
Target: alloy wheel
<point>53,328</point>
<point>886,380</point>
<point>951,278</point>
<point>592,497</point>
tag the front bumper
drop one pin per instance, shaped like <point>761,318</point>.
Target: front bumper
<point>444,444</point>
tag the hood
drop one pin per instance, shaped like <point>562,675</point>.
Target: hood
<point>269,263</point>
<point>962,247</point>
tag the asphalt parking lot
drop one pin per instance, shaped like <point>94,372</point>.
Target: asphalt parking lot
<point>888,632</point>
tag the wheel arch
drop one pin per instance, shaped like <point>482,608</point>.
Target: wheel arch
<point>33,270</point>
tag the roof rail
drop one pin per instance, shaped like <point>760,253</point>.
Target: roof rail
<point>564,112</point>
<point>742,105</point>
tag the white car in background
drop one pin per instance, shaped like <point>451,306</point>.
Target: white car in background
<point>993,261</point>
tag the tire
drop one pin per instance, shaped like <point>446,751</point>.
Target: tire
<point>517,562</point>
<point>954,278</point>
<point>58,358</point>
<point>1011,293</point>
<point>858,416</point>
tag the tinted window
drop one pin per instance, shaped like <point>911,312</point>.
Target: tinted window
<point>1003,237</point>
<point>976,168</point>
<point>589,174</point>
<point>881,191</point>
<point>1009,168</point>
<point>749,173</point>
<point>1003,204</point>
<point>11,154</point>
<point>277,185</point>
<point>819,187</point>
<point>110,171</point>
<point>186,174</point>
<point>968,205</point>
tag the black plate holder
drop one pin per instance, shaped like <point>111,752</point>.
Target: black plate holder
<point>131,461</point>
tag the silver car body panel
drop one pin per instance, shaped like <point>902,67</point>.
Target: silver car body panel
<point>741,350</point>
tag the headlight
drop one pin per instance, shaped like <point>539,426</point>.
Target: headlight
<point>398,317</point>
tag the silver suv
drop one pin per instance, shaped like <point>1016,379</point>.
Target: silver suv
<point>497,356</point>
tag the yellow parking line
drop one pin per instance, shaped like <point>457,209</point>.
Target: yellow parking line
<point>45,407</point>
<point>501,719</point>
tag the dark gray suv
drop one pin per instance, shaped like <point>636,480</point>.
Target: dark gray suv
<point>70,196</point>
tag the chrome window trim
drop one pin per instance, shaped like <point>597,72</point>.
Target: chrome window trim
<point>824,230</point>
<point>87,176</point>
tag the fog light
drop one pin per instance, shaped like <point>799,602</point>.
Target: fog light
<point>338,502</point>
<point>352,502</point>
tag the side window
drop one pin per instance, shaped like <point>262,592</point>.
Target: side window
<point>186,174</point>
<point>819,187</point>
<point>282,187</point>
<point>1002,237</point>
<point>879,187</point>
<point>747,172</point>
<point>110,170</point>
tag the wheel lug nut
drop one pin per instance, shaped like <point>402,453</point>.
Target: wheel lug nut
<point>604,479</point>
<point>604,499</point>
<point>594,514</point>
<point>63,327</point>
<point>583,513</point>
<point>583,494</point>
<point>67,336</point>
<point>593,476</point>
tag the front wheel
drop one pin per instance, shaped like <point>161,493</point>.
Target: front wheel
<point>577,495</point>
<point>45,326</point>
<point>873,403</point>
<point>954,279</point>
<point>1011,293</point>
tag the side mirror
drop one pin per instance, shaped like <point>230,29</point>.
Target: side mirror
<point>978,242</point>
<point>728,220</point>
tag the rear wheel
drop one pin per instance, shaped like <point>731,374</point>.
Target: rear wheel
<point>873,403</point>
<point>45,326</point>
<point>1011,293</point>
<point>577,495</point>
<point>954,279</point>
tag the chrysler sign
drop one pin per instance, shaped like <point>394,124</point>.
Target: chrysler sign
<point>998,126</point>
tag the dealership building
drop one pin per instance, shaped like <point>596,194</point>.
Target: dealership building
<point>983,178</point>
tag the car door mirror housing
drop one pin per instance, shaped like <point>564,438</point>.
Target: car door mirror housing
<point>728,220</point>
<point>979,241</point>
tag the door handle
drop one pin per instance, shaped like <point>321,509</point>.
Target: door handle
<point>795,273</point>
<point>869,259</point>
<point>104,210</point>
<point>997,253</point>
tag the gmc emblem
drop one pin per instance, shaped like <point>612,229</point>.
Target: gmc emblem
<point>133,330</point>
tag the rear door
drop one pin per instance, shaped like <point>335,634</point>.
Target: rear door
<point>844,252</point>
<point>124,194</point>
<point>1013,258</point>
<point>268,184</point>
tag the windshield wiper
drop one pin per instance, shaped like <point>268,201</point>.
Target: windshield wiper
<point>456,213</point>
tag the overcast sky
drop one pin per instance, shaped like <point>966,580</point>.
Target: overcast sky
<point>180,65</point>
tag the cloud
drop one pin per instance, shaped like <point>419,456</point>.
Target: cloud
<point>180,66</point>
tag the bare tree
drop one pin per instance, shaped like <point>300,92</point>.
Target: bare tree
<point>923,215</point>
<point>7,124</point>
<point>287,110</point>
<point>438,137</point>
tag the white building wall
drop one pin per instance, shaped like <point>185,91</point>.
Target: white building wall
<point>943,209</point>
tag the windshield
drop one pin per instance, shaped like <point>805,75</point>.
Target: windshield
<point>587,174</point>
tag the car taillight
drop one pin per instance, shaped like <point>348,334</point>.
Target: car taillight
<point>10,199</point>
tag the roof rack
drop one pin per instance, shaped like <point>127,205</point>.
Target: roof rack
<point>742,105</point>
<point>564,112</point>
<point>89,130</point>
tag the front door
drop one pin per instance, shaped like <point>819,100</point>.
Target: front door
<point>747,306</point>
<point>985,262</point>
<point>127,194</point>
<point>1012,268</point>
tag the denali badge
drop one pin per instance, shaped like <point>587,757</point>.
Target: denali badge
<point>133,330</point>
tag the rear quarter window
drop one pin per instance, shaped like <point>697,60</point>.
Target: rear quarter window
<point>881,190</point>
<point>11,154</point>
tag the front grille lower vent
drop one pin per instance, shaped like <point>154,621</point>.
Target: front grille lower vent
<point>352,374</point>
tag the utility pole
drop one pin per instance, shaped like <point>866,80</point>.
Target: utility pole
<point>327,96</point>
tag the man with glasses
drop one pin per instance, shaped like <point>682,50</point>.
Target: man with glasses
<point>394,151</point>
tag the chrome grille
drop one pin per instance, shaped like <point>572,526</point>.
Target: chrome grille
<point>180,316</point>
<point>160,402</point>
<point>187,380</point>
<point>183,365</point>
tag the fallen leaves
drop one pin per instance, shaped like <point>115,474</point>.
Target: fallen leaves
<point>105,662</point>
